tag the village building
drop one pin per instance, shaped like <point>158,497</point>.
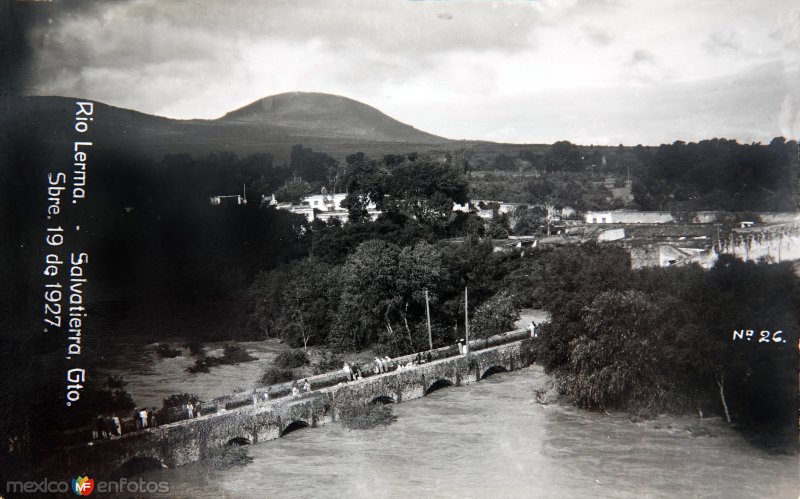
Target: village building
<point>232,199</point>
<point>628,217</point>
<point>323,206</point>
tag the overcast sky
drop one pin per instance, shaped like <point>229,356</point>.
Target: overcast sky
<point>591,71</point>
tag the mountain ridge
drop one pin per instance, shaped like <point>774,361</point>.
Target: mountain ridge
<point>327,123</point>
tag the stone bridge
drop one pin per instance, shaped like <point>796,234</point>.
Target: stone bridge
<point>190,440</point>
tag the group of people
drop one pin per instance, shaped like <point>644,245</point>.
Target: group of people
<point>106,427</point>
<point>463,348</point>
<point>297,386</point>
<point>144,418</point>
<point>352,371</point>
<point>264,396</point>
<point>382,365</point>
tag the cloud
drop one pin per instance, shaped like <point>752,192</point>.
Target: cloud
<point>729,41</point>
<point>597,35</point>
<point>641,56</point>
<point>497,66</point>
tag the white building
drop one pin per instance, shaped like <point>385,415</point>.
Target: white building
<point>628,217</point>
<point>323,206</point>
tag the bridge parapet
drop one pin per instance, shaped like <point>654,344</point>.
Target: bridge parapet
<point>332,378</point>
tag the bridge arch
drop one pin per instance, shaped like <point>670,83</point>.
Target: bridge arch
<point>138,465</point>
<point>383,400</point>
<point>493,370</point>
<point>438,385</point>
<point>294,426</point>
<point>239,441</point>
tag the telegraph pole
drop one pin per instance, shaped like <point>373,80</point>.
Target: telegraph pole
<point>428,315</point>
<point>466,317</point>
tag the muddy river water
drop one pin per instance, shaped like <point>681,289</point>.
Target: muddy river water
<point>492,439</point>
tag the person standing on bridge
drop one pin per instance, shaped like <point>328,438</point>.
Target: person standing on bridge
<point>117,425</point>
<point>142,415</point>
<point>306,385</point>
<point>347,371</point>
<point>100,431</point>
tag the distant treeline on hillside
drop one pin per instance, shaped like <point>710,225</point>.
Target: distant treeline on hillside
<point>717,174</point>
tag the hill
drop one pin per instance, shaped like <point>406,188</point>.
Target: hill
<point>329,116</point>
<point>327,123</point>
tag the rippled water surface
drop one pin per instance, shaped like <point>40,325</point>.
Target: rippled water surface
<point>491,439</point>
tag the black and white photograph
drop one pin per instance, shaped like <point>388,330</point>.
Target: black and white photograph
<point>400,248</point>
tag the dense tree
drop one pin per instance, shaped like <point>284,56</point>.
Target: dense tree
<point>369,277</point>
<point>383,295</point>
<point>719,174</point>
<point>618,363</point>
<point>563,155</point>
<point>293,191</point>
<point>654,340</point>
<point>494,316</point>
<point>409,185</point>
<point>314,167</point>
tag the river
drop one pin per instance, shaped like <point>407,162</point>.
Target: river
<point>492,439</point>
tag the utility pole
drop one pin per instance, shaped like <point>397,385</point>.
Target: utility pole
<point>466,318</point>
<point>428,315</point>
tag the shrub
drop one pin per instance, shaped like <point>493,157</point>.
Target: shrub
<point>233,354</point>
<point>166,351</point>
<point>274,375</point>
<point>180,399</point>
<point>328,362</point>
<point>289,359</point>
<point>195,348</point>
<point>363,416</point>
<point>204,363</point>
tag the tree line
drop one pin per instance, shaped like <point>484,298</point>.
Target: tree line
<point>659,340</point>
<point>715,174</point>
